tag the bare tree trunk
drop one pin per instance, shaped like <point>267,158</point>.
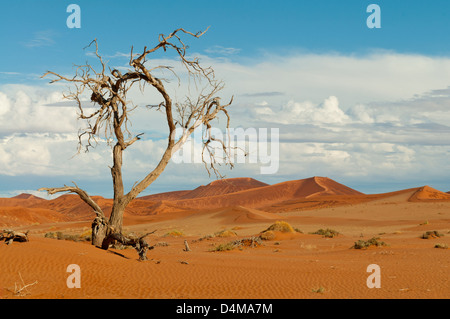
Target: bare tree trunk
<point>99,230</point>
<point>118,209</point>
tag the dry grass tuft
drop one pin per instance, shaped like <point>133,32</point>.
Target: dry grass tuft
<point>364,244</point>
<point>431,234</point>
<point>281,226</point>
<point>328,233</point>
<point>174,233</point>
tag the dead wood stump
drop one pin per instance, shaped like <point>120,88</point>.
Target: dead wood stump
<point>9,236</point>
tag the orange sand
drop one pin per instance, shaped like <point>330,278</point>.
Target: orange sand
<point>290,266</point>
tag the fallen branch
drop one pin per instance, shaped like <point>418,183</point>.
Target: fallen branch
<point>9,236</point>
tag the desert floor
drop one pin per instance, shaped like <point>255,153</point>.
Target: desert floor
<point>294,265</point>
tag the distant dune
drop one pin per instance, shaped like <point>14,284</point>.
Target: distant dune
<point>264,196</point>
<point>223,187</point>
<point>429,193</point>
<point>164,196</point>
<point>243,199</point>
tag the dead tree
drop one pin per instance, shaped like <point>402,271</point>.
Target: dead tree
<point>10,235</point>
<point>108,91</point>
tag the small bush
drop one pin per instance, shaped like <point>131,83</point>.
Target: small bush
<point>50,235</point>
<point>364,244</point>
<point>298,230</point>
<point>162,244</point>
<point>267,235</point>
<point>431,234</point>
<point>174,233</point>
<point>319,290</point>
<point>61,236</point>
<point>442,246</point>
<point>281,226</point>
<point>224,247</point>
<point>329,233</point>
<point>240,243</point>
<point>225,233</point>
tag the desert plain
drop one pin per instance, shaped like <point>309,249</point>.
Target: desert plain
<point>292,263</point>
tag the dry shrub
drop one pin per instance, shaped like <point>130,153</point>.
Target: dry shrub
<point>364,244</point>
<point>431,234</point>
<point>328,233</point>
<point>267,235</point>
<point>240,243</point>
<point>225,233</point>
<point>174,233</point>
<point>281,226</point>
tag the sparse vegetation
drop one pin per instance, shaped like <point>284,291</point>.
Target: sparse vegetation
<point>364,244</point>
<point>225,233</point>
<point>267,235</point>
<point>240,243</point>
<point>280,226</point>
<point>319,290</point>
<point>431,234</point>
<point>442,246</point>
<point>61,236</point>
<point>222,233</point>
<point>224,247</point>
<point>174,233</point>
<point>162,244</point>
<point>328,233</point>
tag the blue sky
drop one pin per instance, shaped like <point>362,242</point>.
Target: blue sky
<point>35,36</point>
<point>386,89</point>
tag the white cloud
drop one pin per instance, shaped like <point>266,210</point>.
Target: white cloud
<point>304,112</point>
<point>217,49</point>
<point>24,109</point>
<point>40,39</point>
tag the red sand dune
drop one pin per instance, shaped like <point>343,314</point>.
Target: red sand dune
<point>28,196</point>
<point>164,196</point>
<point>73,207</point>
<point>23,200</point>
<point>223,187</point>
<point>268,195</point>
<point>429,193</point>
<point>243,198</point>
<point>18,216</point>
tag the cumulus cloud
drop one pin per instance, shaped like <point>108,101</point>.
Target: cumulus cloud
<point>326,112</point>
<point>24,109</point>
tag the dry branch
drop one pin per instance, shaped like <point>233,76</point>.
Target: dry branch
<point>10,235</point>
